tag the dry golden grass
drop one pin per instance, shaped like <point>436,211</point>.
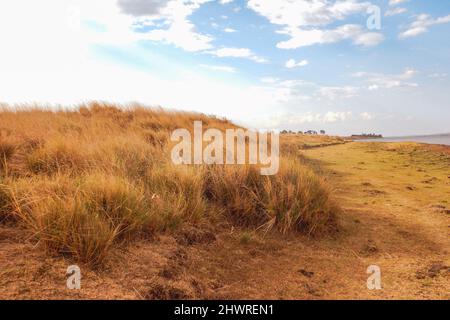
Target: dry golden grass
<point>293,143</point>
<point>85,180</point>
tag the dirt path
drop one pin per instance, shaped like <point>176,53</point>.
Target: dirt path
<point>396,201</point>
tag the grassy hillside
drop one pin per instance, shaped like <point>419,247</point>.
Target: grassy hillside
<point>83,182</point>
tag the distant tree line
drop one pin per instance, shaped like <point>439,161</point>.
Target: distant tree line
<point>309,132</point>
<point>367,135</point>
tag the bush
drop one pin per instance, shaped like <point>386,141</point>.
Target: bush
<point>177,195</point>
<point>84,217</point>
<point>6,150</point>
<point>293,200</point>
<point>117,202</point>
<point>297,199</point>
<point>238,191</point>
<point>67,226</point>
<point>57,156</point>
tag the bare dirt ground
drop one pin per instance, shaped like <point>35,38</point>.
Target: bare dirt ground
<point>396,200</point>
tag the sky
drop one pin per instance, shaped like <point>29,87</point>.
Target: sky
<point>345,66</point>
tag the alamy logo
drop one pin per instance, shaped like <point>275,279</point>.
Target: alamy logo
<point>74,279</point>
<point>374,280</point>
<point>374,20</point>
<point>236,146</point>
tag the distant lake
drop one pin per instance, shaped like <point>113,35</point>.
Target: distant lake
<point>432,139</point>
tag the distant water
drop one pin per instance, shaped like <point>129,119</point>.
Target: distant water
<point>432,139</point>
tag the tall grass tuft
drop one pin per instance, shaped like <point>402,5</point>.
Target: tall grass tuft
<point>297,199</point>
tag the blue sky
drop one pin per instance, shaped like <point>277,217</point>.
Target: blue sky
<point>285,64</point>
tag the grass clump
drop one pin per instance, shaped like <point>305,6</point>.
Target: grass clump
<point>6,150</point>
<point>67,226</point>
<point>119,203</point>
<point>295,199</point>
<point>177,194</point>
<point>60,155</point>
<point>237,190</point>
<point>84,217</point>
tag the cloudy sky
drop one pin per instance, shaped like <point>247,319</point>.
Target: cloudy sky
<point>286,64</point>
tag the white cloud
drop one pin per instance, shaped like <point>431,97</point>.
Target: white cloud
<point>237,53</point>
<point>181,35</point>
<point>226,1</point>
<point>421,25</point>
<point>395,11</point>
<point>304,13</point>
<point>377,81</point>
<point>169,20</point>
<point>181,32</point>
<point>396,2</point>
<point>229,30</point>
<point>334,92</point>
<point>437,75</point>
<point>299,120</point>
<point>118,20</point>
<point>219,68</point>
<point>336,116</point>
<point>303,38</point>
<point>304,21</point>
<point>290,119</point>
<point>287,91</point>
<point>366,116</point>
<point>141,7</point>
<point>291,63</point>
<point>292,92</point>
<point>368,39</point>
<point>269,80</point>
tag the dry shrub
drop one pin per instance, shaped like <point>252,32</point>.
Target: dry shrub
<point>156,138</point>
<point>67,226</point>
<point>177,193</point>
<point>59,155</point>
<point>127,155</point>
<point>84,217</point>
<point>118,202</point>
<point>295,199</point>
<point>7,149</point>
<point>237,190</point>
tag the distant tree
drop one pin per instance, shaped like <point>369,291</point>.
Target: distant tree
<point>322,132</point>
<point>284,132</point>
<point>300,132</point>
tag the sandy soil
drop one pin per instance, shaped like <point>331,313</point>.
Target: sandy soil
<point>396,200</point>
